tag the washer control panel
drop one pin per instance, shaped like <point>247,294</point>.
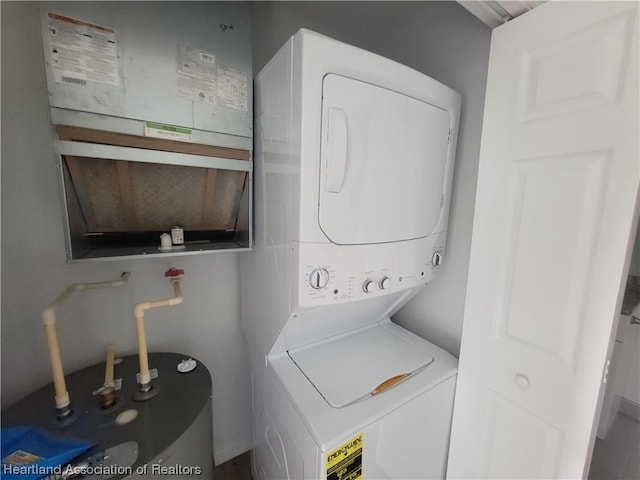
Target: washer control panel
<point>333,274</point>
<point>329,283</point>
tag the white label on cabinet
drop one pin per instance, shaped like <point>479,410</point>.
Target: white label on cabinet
<point>196,74</point>
<point>232,88</point>
<point>82,52</point>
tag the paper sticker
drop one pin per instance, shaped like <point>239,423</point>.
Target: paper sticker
<point>345,462</point>
<point>169,132</point>
<point>82,52</point>
<point>232,88</point>
<point>196,74</point>
<point>20,457</point>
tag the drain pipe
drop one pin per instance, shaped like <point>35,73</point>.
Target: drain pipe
<point>144,381</point>
<point>63,402</point>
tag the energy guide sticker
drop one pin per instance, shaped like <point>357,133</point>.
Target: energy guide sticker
<point>345,462</point>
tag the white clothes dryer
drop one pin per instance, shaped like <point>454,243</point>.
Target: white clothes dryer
<point>353,168</point>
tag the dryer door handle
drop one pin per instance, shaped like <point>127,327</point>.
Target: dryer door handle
<point>336,148</point>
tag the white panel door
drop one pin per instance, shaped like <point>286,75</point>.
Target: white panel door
<point>383,163</point>
<point>557,190</point>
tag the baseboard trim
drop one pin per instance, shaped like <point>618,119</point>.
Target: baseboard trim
<point>629,408</point>
<point>229,451</point>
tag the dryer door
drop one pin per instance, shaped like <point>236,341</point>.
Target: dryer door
<point>383,163</point>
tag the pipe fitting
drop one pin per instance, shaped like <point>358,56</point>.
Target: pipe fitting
<point>174,276</point>
<point>64,412</point>
<point>63,402</point>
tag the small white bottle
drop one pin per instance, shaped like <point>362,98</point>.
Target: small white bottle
<point>177,235</point>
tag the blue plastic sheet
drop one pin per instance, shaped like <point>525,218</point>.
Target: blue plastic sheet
<point>29,453</point>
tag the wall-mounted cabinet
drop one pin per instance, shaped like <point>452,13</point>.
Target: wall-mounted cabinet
<point>122,192</point>
<point>151,104</point>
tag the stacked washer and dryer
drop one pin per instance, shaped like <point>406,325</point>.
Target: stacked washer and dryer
<point>354,158</point>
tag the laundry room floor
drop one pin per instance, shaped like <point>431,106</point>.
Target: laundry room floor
<point>238,468</point>
<point>618,456</point>
<point>615,458</point>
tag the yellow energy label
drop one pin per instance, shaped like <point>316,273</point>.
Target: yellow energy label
<point>345,461</point>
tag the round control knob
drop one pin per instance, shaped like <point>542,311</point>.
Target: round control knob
<point>384,283</point>
<point>319,278</point>
<point>368,286</point>
<point>436,260</point>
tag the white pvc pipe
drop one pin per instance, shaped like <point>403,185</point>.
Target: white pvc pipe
<point>108,369</point>
<point>49,321</point>
<point>145,376</point>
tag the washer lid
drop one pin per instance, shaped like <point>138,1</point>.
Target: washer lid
<point>359,365</point>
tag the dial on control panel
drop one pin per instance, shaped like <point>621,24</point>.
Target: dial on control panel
<point>368,286</point>
<point>384,283</point>
<point>436,259</point>
<point>319,278</point>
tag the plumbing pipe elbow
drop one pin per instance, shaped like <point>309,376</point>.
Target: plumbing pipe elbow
<point>144,375</point>
<point>175,301</point>
<point>140,309</point>
<point>49,313</point>
<point>169,302</point>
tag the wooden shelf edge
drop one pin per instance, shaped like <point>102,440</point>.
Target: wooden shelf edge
<point>90,135</point>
